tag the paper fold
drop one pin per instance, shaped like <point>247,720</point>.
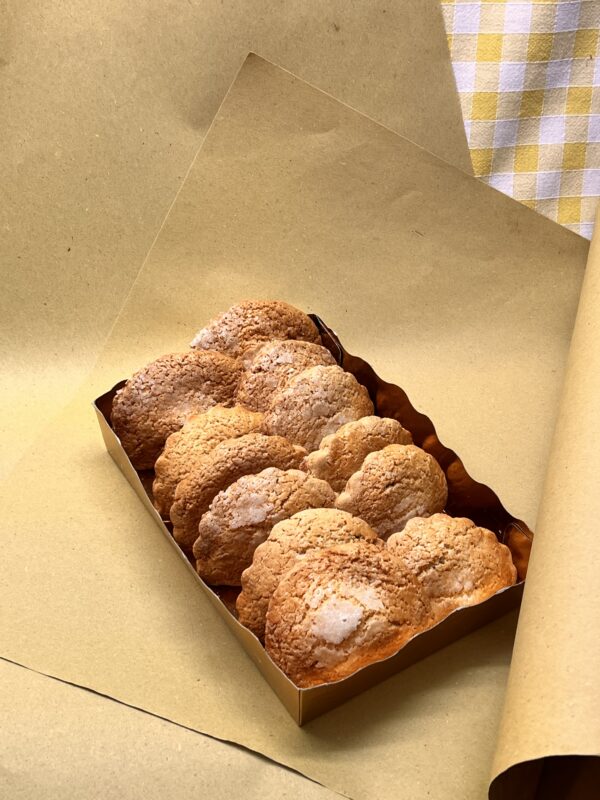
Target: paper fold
<point>552,706</point>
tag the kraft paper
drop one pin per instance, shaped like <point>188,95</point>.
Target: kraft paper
<point>121,752</point>
<point>553,697</point>
<point>460,295</point>
<point>105,105</point>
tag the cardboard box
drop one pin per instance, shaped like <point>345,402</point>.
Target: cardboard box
<point>466,497</point>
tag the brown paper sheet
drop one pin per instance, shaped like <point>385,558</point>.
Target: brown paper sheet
<point>104,106</point>
<point>553,696</point>
<point>120,753</point>
<point>455,292</point>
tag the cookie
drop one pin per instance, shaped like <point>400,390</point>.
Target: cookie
<point>342,453</point>
<point>185,448</point>
<point>340,609</point>
<point>159,398</point>
<point>218,469</point>
<point>287,544</point>
<point>315,403</point>
<point>457,563</point>
<point>272,365</point>
<point>392,486</point>
<point>250,322</point>
<point>241,517</point>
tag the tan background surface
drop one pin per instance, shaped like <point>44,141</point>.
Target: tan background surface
<point>104,105</point>
<point>479,287</point>
<point>553,697</point>
<point>59,741</point>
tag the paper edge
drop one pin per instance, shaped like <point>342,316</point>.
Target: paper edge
<point>530,765</point>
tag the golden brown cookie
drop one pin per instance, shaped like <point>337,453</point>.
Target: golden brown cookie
<point>185,448</point>
<point>315,403</point>
<point>241,517</point>
<point>159,398</point>
<point>393,485</point>
<point>457,563</point>
<point>250,322</point>
<point>342,453</point>
<point>340,609</point>
<point>272,365</point>
<point>287,544</point>
<point>218,469</point>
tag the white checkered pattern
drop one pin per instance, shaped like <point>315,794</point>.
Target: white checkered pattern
<point>528,75</point>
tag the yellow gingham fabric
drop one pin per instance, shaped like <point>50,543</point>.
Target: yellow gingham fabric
<point>528,76</point>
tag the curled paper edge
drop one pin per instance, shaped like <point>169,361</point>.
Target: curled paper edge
<point>549,739</point>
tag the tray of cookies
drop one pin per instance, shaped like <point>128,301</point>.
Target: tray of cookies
<point>340,540</point>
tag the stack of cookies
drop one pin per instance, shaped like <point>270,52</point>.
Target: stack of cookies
<point>279,478</point>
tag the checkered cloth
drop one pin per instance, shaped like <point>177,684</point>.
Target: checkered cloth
<point>528,76</point>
